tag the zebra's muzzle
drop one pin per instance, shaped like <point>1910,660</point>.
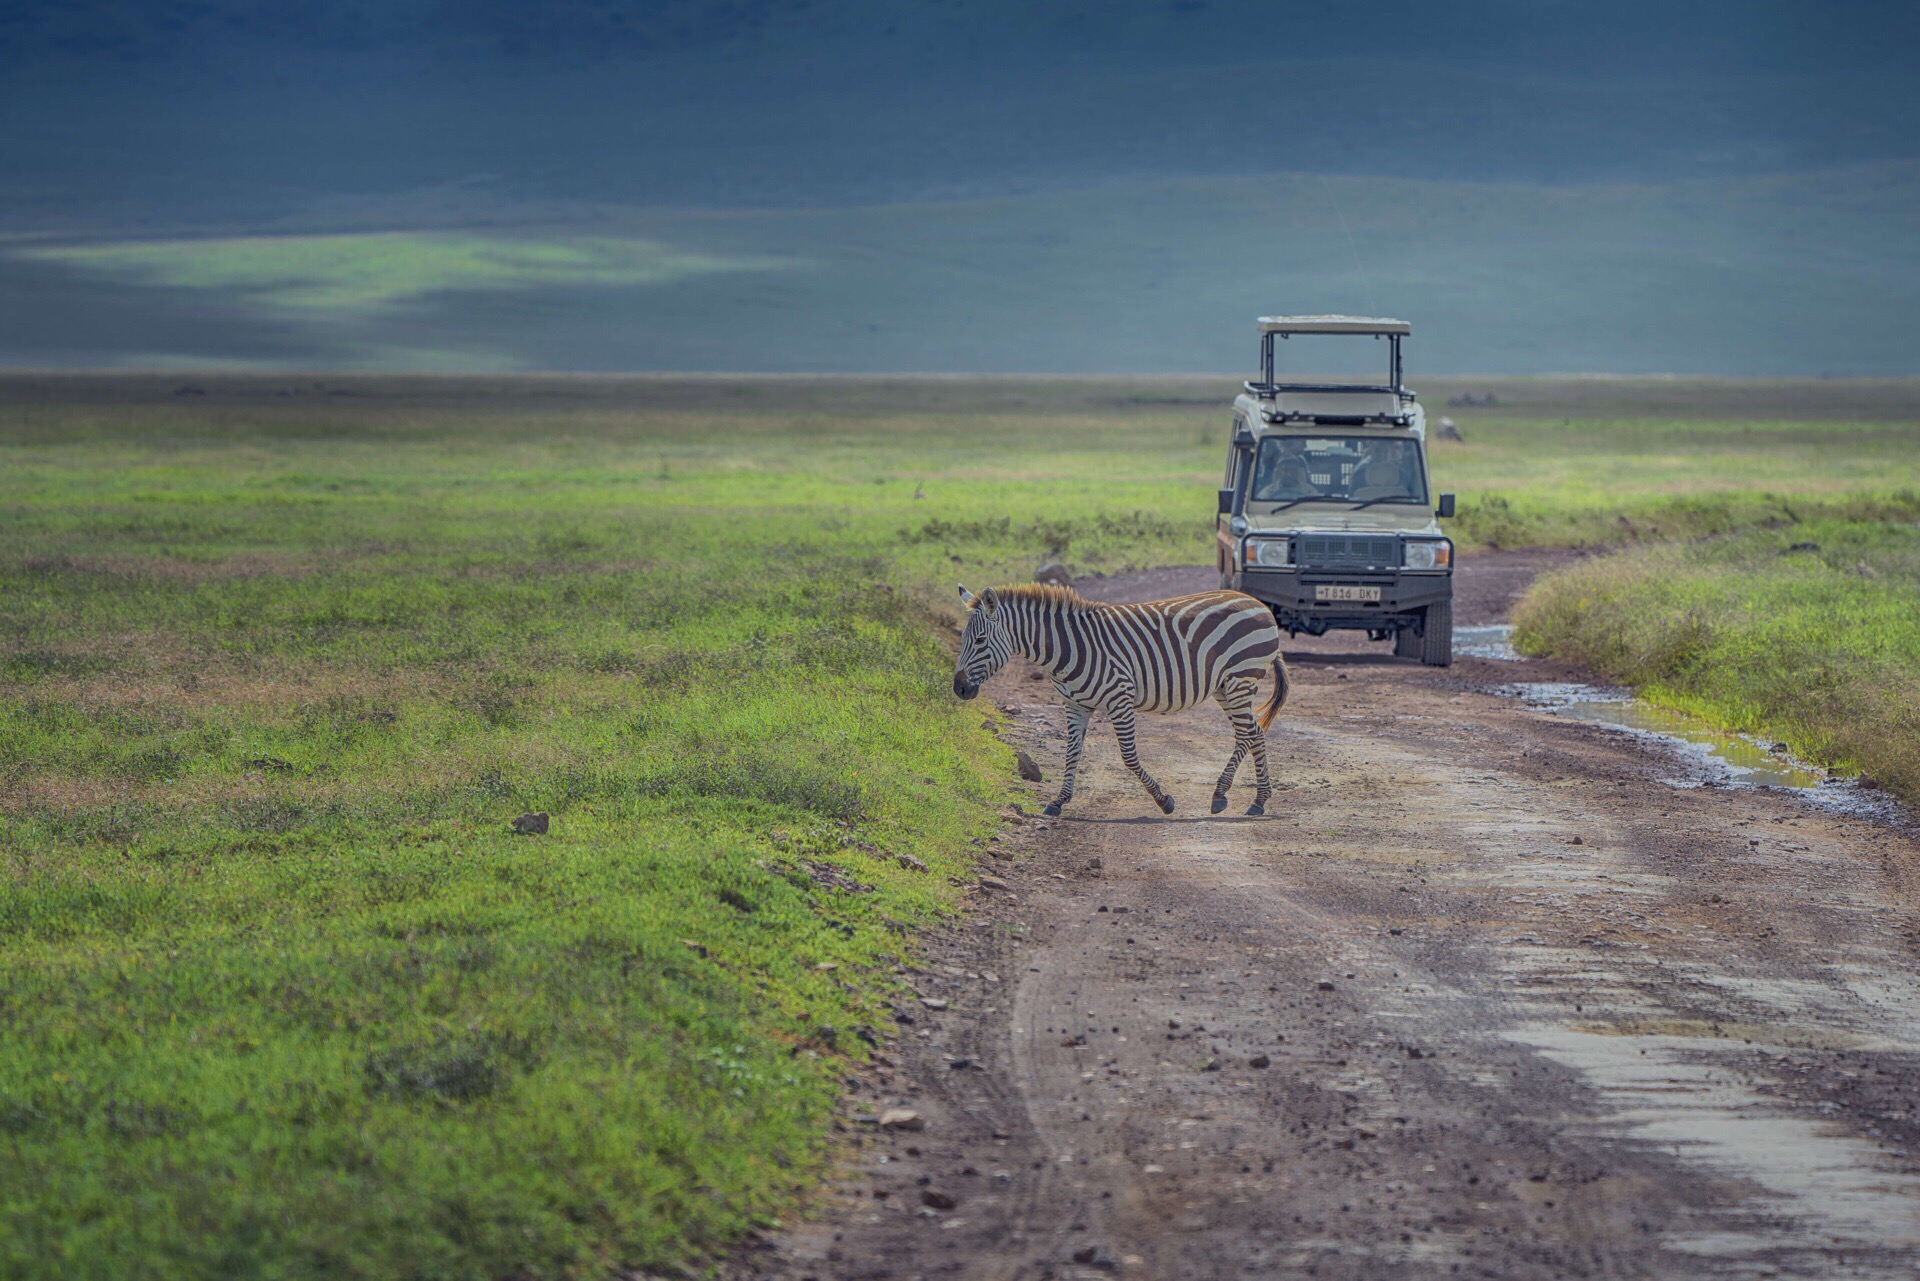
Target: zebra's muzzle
<point>964,687</point>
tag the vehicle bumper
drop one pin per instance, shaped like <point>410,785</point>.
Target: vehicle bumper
<point>1290,594</point>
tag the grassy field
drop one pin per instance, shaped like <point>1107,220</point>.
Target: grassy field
<point>281,993</point>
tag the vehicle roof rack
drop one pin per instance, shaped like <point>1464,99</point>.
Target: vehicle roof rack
<point>1275,329</point>
<point>1334,325</point>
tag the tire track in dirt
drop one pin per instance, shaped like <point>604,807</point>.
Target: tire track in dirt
<point>1484,997</point>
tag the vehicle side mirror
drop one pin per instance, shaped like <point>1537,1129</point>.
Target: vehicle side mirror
<point>1226,501</point>
<point>1445,511</point>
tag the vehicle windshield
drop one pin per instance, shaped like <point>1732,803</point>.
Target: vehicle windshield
<point>1356,469</point>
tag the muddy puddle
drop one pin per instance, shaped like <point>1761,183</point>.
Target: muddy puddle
<point>1715,757</point>
<point>1495,642</point>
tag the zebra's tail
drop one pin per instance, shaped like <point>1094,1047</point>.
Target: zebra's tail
<point>1272,709</point>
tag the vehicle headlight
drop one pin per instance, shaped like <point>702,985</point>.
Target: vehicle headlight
<point>1426,554</point>
<point>1269,553</point>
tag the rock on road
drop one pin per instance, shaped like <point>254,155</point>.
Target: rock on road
<point>1487,994</point>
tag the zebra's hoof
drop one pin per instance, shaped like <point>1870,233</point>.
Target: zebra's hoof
<point>1166,805</point>
<point>1254,811</point>
<point>1219,802</point>
<point>1052,811</point>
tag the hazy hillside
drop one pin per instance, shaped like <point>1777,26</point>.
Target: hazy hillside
<point>1792,275</point>
<point>955,184</point>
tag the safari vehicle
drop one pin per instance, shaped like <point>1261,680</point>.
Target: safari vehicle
<point>1325,514</point>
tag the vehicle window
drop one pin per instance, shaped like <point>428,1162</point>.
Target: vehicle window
<point>1338,468</point>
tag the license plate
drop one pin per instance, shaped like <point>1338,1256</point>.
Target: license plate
<point>1341,591</point>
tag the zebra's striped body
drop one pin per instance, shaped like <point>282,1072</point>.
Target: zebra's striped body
<point>1162,656</point>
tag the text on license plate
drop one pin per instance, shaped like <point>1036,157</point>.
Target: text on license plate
<point>1342,591</point>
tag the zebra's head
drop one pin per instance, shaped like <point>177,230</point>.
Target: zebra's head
<point>984,643</point>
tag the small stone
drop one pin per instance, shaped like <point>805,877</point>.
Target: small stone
<point>934,1002</point>
<point>1211,1065</point>
<point>938,1200</point>
<point>993,883</point>
<point>909,862</point>
<point>1094,865</point>
<point>902,1119</point>
<point>1576,841</point>
<point>959,1063</point>
<point>827,965</point>
<point>1259,1061</point>
<point>1028,769</point>
<point>1324,985</point>
<point>531,824</point>
<point>1053,572</point>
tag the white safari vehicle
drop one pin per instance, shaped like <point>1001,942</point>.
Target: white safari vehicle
<point>1326,514</point>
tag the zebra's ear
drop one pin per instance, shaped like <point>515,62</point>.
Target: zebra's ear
<point>988,601</point>
<point>966,596</point>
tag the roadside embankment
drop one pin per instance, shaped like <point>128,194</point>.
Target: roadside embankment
<point>1808,635</point>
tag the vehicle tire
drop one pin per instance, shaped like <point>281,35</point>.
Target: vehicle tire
<point>1406,644</point>
<point>1436,648</point>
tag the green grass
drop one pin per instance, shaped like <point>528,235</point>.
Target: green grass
<point>283,996</point>
<point>1818,647</point>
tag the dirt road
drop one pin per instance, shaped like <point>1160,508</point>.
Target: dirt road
<point>1489,993</point>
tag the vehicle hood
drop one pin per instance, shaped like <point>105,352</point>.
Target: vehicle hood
<point>1312,517</point>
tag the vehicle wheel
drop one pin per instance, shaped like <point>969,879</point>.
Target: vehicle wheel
<point>1406,644</point>
<point>1437,645</point>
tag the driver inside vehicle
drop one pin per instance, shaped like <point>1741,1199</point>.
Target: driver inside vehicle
<point>1387,474</point>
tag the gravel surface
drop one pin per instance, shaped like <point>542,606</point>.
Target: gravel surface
<point>1486,994</point>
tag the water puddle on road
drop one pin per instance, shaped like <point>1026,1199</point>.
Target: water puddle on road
<point>1717,758</point>
<point>1495,642</point>
<point>1748,761</point>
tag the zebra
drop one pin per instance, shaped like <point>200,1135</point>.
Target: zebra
<point>1163,656</point>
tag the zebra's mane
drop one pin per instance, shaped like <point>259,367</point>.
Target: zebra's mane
<point>1044,594</point>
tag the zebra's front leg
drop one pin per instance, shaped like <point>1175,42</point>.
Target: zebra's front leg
<point>1122,715</point>
<point>1076,739</point>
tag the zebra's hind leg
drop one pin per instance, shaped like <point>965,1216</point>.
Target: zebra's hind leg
<point>1122,714</point>
<point>1226,778</point>
<point>1076,739</point>
<point>1236,700</point>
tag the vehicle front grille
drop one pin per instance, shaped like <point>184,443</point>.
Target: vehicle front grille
<point>1341,551</point>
